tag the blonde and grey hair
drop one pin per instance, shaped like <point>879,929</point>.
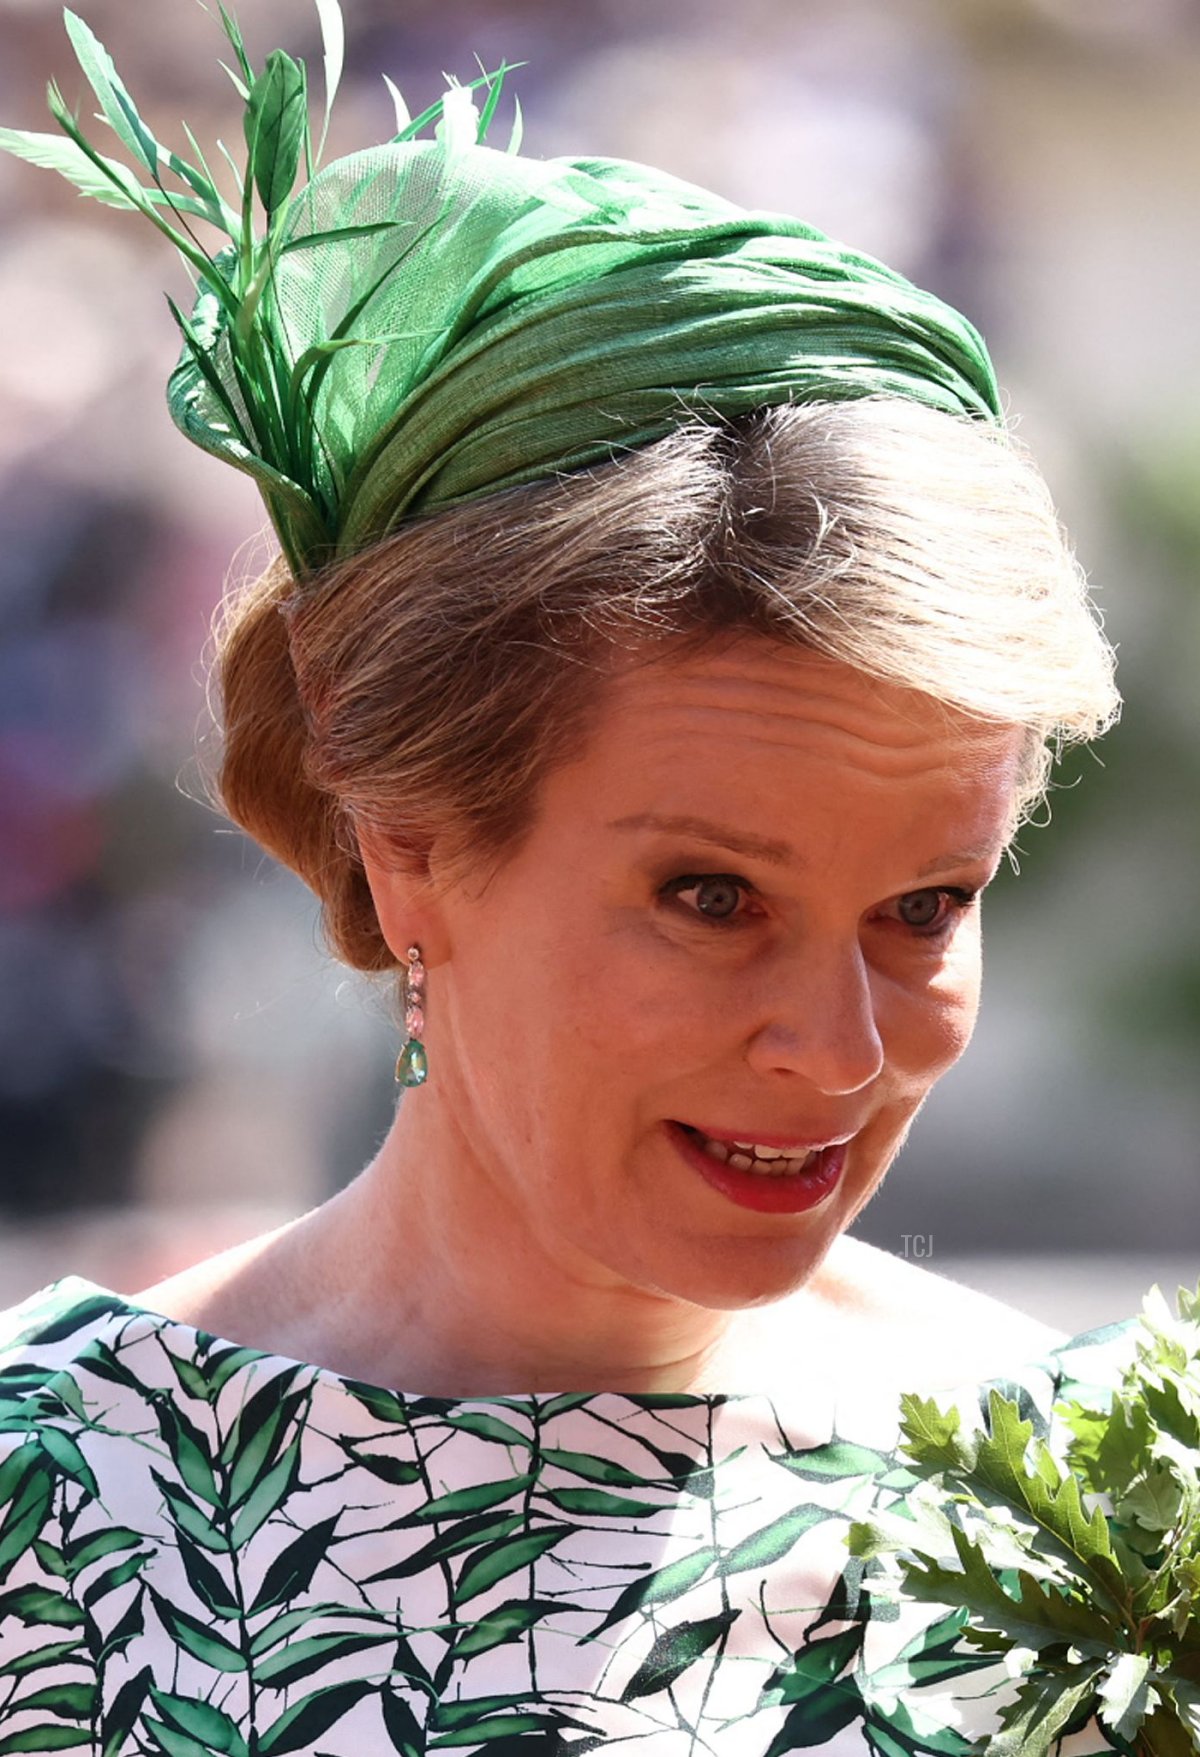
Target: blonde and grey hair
<point>421,690</point>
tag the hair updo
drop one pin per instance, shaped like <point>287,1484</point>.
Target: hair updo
<point>423,688</point>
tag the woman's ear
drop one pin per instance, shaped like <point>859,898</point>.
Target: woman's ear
<point>405,899</point>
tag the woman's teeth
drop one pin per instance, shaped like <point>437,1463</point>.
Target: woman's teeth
<point>749,1156</point>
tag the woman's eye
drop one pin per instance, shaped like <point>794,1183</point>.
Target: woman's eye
<point>929,911</point>
<point>716,896</point>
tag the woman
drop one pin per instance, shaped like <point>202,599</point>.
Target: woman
<point>667,641</point>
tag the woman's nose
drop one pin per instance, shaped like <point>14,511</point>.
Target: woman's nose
<point>819,1022</point>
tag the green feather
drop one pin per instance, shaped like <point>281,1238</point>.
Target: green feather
<point>335,235</point>
<point>275,122</point>
<point>492,317</point>
<point>239,85</point>
<point>109,181</point>
<point>333,39</point>
<point>403,119</point>
<point>518,129</point>
<point>202,360</point>
<point>233,32</point>
<point>119,108</point>
<point>494,89</point>
<point>431,116</point>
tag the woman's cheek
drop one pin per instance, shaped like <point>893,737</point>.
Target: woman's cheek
<point>932,1019</point>
<point>643,978</point>
<point>951,1014</point>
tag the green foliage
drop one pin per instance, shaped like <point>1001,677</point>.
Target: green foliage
<point>487,1427</point>
<point>477,1499</point>
<point>599,1470</point>
<point>661,1587</point>
<point>43,1739</point>
<point>509,1555</point>
<point>674,1650</point>
<point>508,1622</point>
<point>762,1549</point>
<point>311,1716</point>
<point>1083,1569</point>
<point>599,1504</point>
<point>818,1689</point>
<point>836,1461</point>
<point>188,1728</point>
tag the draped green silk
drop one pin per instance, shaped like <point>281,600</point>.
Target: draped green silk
<point>521,318</point>
<point>428,321</point>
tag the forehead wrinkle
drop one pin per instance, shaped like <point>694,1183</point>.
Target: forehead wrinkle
<point>911,721</point>
<point>682,731</point>
<point>799,678</point>
<point>810,690</point>
<point>976,829</point>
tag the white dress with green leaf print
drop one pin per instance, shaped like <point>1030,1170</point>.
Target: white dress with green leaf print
<point>209,1549</point>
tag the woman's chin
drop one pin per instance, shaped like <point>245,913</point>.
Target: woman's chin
<point>691,1242</point>
<point>734,1274</point>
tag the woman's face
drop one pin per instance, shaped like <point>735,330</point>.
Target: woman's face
<point>746,916</point>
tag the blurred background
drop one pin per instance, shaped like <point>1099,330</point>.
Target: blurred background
<point>180,1063</point>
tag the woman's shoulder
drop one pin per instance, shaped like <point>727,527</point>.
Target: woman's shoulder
<point>906,1327</point>
<point>45,1332</point>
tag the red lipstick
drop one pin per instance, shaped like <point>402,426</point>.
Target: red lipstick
<point>791,1193</point>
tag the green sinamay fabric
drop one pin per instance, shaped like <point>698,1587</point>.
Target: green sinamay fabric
<point>429,321</point>
<point>536,317</point>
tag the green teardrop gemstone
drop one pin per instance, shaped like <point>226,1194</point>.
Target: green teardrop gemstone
<point>412,1069</point>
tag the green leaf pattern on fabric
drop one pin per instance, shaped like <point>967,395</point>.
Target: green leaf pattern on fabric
<point>206,1549</point>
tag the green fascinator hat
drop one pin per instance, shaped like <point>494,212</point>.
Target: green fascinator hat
<point>431,320</point>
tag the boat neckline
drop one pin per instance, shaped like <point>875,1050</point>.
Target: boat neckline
<point>60,1297</point>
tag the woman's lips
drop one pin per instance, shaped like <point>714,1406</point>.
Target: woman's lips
<point>789,1179</point>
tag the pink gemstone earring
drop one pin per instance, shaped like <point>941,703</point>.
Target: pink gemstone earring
<point>412,1065</point>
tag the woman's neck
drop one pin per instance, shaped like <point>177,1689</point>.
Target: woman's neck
<point>421,1276</point>
<point>411,1287</point>
<point>409,1278</point>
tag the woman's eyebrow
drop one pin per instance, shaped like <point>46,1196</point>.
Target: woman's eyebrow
<point>777,853</point>
<point>960,857</point>
<point>737,841</point>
